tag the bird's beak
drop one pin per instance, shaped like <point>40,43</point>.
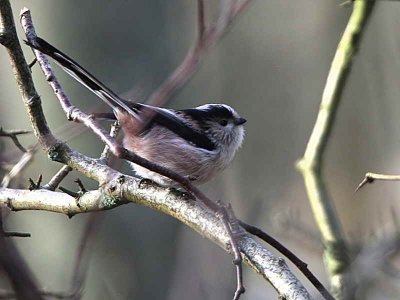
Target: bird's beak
<point>240,121</point>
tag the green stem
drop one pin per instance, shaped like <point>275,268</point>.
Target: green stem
<point>336,252</point>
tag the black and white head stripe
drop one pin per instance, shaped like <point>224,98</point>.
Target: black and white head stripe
<point>210,112</point>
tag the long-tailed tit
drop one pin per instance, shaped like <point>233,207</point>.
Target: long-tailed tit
<point>197,143</point>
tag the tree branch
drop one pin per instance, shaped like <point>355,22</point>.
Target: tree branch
<point>301,265</point>
<point>16,170</point>
<point>121,189</point>
<point>207,37</point>
<point>311,165</point>
<point>13,134</point>
<point>371,177</point>
<point>57,178</point>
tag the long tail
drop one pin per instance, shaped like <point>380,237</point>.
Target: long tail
<point>83,76</point>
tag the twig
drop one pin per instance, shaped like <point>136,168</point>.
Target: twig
<point>57,178</point>
<point>82,261</point>
<point>23,77</point>
<point>32,63</point>
<point>13,134</point>
<point>104,157</point>
<point>207,37</point>
<point>10,233</point>
<point>201,23</point>
<point>371,177</point>
<point>4,294</point>
<point>311,165</point>
<point>69,193</point>
<point>302,266</point>
<point>35,185</point>
<point>82,188</point>
<point>16,234</point>
<point>23,162</point>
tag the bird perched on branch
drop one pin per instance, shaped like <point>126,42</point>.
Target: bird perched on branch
<point>196,143</point>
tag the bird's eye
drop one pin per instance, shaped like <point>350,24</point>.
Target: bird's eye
<point>223,122</point>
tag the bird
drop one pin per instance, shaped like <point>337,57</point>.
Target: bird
<point>197,143</point>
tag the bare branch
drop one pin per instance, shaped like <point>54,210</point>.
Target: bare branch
<point>165,200</point>
<point>80,268</point>
<point>207,37</point>
<point>302,266</point>
<point>82,261</point>
<point>16,234</point>
<point>13,135</point>
<point>4,294</point>
<point>57,178</point>
<point>24,78</point>
<point>35,185</point>
<point>201,25</point>
<point>311,165</point>
<point>16,170</point>
<point>10,233</point>
<point>371,177</point>
<point>11,262</point>
<point>104,157</point>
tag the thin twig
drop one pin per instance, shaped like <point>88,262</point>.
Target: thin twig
<point>57,178</point>
<point>32,63</point>
<point>16,234</point>
<point>371,177</point>
<point>70,193</point>
<point>82,261</point>
<point>13,134</point>
<point>201,23</point>
<point>4,294</point>
<point>302,266</point>
<point>16,170</point>
<point>105,155</point>
<point>35,185</point>
<point>311,165</point>
<point>207,37</point>
<point>82,188</point>
<point>10,233</point>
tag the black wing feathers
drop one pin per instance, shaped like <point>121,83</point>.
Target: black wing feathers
<point>161,117</point>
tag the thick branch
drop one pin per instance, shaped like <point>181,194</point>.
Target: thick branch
<point>311,165</point>
<point>22,73</point>
<point>120,189</point>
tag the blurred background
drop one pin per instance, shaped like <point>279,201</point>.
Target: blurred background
<point>271,67</point>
